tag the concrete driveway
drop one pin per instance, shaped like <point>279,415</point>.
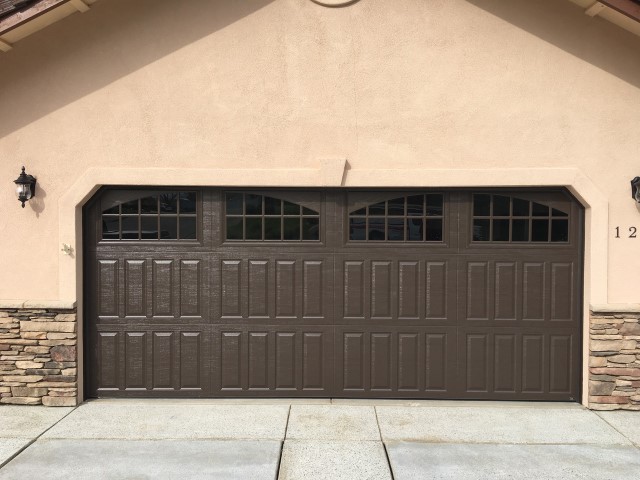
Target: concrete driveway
<point>317,439</point>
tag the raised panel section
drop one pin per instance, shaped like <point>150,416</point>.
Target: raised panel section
<point>533,363</point>
<point>533,295</point>
<point>313,361</point>
<point>561,291</point>
<point>437,291</point>
<point>190,288</point>
<point>353,368</point>
<point>313,289</point>
<point>231,360</point>
<point>135,359</point>
<point>477,291</point>
<point>381,361</point>
<point>505,363</point>
<point>436,362</point>
<point>354,293</point>
<point>135,282</point>
<point>258,293</point>
<point>230,285</point>
<point>506,287</point>
<point>561,364</point>
<point>258,360</point>
<point>408,358</point>
<point>163,358</point>
<point>380,289</point>
<point>477,363</point>
<point>285,364</point>
<point>108,287</point>
<point>408,288</point>
<point>286,288</point>
<point>108,359</point>
<point>162,287</point>
<point>191,359</point>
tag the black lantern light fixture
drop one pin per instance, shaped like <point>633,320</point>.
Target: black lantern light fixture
<point>635,189</point>
<point>26,187</point>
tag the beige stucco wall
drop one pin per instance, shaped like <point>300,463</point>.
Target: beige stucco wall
<point>467,92</point>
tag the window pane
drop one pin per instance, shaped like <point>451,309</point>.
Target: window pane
<point>501,206</point>
<point>291,208</point>
<point>130,228</point>
<point>376,228</point>
<point>500,231</point>
<point>272,206</point>
<point>434,205</point>
<point>308,211</point>
<point>149,204</point>
<point>414,229</point>
<point>481,230</point>
<point>234,204</point>
<point>188,228</point>
<point>520,232</point>
<point>169,228</point>
<point>149,228</point>
<point>357,229</point>
<point>481,205</point>
<point>110,228</point>
<point>395,229</point>
<point>292,228</point>
<point>558,213</point>
<point>434,230</point>
<point>362,211</point>
<point>234,228</point>
<point>253,205</point>
<point>169,203</point>
<point>559,230</point>
<point>113,210</point>
<point>376,209</point>
<point>540,230</point>
<point>253,228</point>
<point>540,210</point>
<point>272,228</point>
<point>130,207</point>
<point>520,208</point>
<point>415,205</point>
<point>396,206</point>
<point>187,202</point>
<point>311,229</point>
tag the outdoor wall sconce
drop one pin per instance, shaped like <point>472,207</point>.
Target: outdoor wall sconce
<point>635,189</point>
<point>26,187</point>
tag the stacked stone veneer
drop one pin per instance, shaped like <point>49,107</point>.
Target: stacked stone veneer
<point>614,361</point>
<point>38,357</point>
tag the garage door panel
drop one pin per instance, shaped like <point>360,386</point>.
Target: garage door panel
<point>400,362</point>
<point>281,360</point>
<point>274,289</point>
<point>519,364</point>
<point>405,290</point>
<point>151,360</point>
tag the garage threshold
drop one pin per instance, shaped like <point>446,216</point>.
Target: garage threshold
<point>340,401</point>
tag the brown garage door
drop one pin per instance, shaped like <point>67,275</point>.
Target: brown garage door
<point>394,294</point>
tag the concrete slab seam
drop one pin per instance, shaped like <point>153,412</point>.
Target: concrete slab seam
<point>384,445</point>
<point>35,439</point>
<point>616,429</point>
<point>284,437</point>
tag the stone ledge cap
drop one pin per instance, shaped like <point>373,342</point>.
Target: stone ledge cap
<point>615,308</point>
<point>40,304</point>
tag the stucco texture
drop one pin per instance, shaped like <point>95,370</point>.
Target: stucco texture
<point>403,84</point>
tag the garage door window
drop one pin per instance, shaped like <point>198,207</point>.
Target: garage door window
<point>499,218</point>
<point>410,218</point>
<point>162,216</point>
<point>253,217</point>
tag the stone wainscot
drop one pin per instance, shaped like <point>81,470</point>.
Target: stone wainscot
<point>38,356</point>
<point>614,360</point>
